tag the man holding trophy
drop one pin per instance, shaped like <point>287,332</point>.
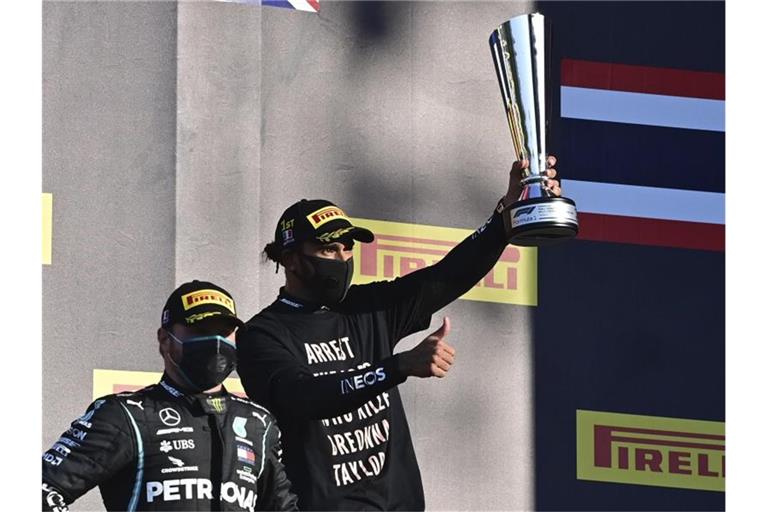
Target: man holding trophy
<point>321,356</point>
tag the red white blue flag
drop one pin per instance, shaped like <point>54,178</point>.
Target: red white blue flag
<point>245,454</point>
<point>651,165</point>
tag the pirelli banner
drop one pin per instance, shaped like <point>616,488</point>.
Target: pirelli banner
<point>401,248</point>
<point>649,450</point>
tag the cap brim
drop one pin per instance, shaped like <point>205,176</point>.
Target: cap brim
<point>361,234</point>
<point>218,314</point>
<point>353,232</point>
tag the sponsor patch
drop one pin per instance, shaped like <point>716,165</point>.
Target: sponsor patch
<point>326,214</point>
<point>176,430</point>
<point>246,455</point>
<point>179,466</point>
<point>217,404</point>
<point>246,475</point>
<point>238,425</point>
<point>199,489</point>
<point>361,381</point>
<point>136,404</point>
<point>69,442</point>
<point>190,300</point>
<point>333,235</point>
<point>650,450</point>
<point>169,416</point>
<point>177,444</point>
<point>85,419</point>
<point>199,316</point>
<point>51,459</point>
<point>77,433</point>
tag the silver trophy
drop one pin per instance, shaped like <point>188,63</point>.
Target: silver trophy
<point>538,217</point>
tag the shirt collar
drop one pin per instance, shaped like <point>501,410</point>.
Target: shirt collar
<point>290,303</point>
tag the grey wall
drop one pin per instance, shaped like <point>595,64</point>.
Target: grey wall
<point>109,131</point>
<point>174,136</point>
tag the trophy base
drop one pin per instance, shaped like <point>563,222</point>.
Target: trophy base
<point>542,221</point>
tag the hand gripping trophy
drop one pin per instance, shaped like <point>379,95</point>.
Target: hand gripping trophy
<point>538,217</point>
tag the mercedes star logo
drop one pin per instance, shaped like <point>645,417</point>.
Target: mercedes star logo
<point>170,417</point>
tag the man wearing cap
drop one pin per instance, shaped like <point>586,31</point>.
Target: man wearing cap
<point>321,355</point>
<point>184,443</point>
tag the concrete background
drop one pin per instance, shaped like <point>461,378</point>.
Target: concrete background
<point>176,133</point>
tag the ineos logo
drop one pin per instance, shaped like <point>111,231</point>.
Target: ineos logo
<point>170,417</point>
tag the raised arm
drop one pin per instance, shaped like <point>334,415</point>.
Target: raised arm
<point>411,299</point>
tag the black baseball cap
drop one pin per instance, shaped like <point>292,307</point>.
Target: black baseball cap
<point>196,300</point>
<point>318,220</point>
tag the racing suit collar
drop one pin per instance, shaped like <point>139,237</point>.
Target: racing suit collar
<point>208,403</point>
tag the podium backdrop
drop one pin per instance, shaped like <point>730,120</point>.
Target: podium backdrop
<point>589,376</point>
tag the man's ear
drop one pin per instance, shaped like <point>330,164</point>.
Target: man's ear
<point>289,260</point>
<point>162,341</point>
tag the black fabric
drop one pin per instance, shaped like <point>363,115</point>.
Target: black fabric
<point>157,449</point>
<point>330,377</point>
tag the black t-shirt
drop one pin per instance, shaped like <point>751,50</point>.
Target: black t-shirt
<point>330,378</point>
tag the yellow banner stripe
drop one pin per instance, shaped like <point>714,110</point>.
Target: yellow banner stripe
<point>107,382</point>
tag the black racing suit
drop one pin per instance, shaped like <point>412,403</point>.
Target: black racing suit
<point>158,449</point>
<point>330,377</point>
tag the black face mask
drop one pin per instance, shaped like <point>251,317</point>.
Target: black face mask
<point>328,280</point>
<point>205,361</point>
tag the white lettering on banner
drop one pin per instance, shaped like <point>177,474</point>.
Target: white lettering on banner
<point>361,381</point>
<point>350,472</point>
<point>200,488</point>
<point>360,439</point>
<point>324,352</point>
